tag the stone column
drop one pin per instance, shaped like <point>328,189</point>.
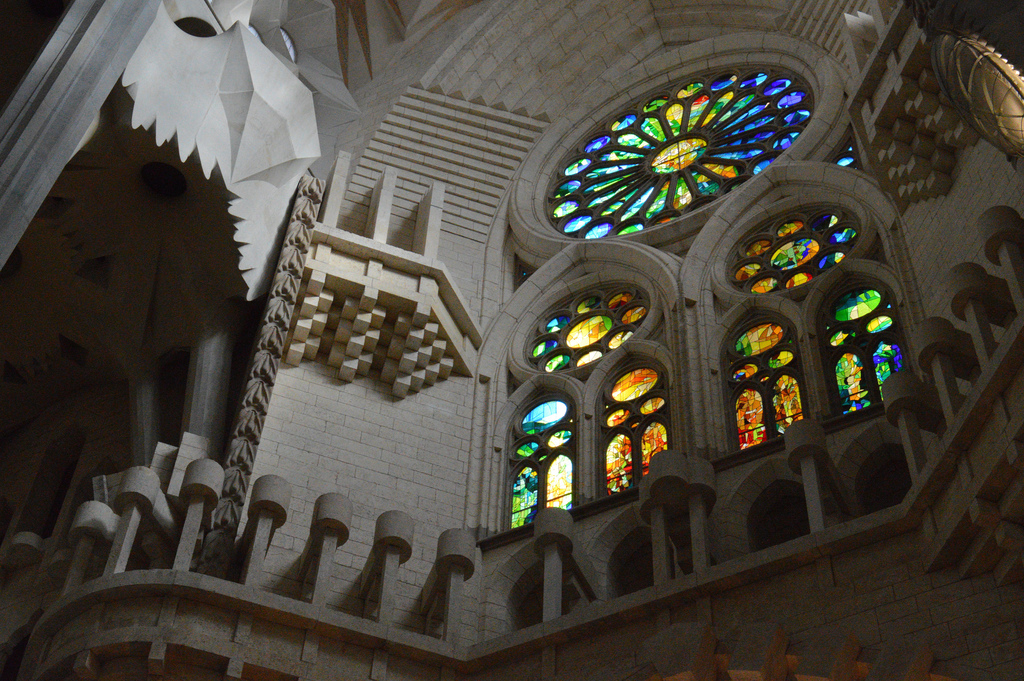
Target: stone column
<point>552,541</point>
<point>94,521</point>
<point>200,490</point>
<point>948,354</point>
<point>268,509</point>
<point>1003,231</point>
<point>981,300</point>
<point>911,406</point>
<point>808,457</point>
<point>209,376</point>
<point>139,489</point>
<point>456,550</point>
<point>332,518</point>
<point>143,414</point>
<point>392,546</point>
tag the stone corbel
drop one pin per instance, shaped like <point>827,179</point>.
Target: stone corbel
<point>442,592</point>
<point>392,546</point>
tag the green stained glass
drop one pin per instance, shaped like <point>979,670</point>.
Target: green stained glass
<point>635,208</point>
<point>604,185</point>
<point>557,323</point>
<point>543,416</point>
<point>786,400</point>
<point>632,140</point>
<point>528,449</point>
<point>559,439</point>
<point>683,197</point>
<point>888,360</point>
<point>677,156</point>
<point>544,346</point>
<point>610,170</point>
<point>652,126</point>
<point>588,304</point>
<point>620,156</point>
<point>720,104</point>
<point>705,185</point>
<point>840,337</point>
<point>831,259</point>
<point>564,209</point>
<point>655,104</point>
<point>524,497</point>
<point>880,323</point>
<point>690,90</point>
<point>559,483</point>
<point>697,107</point>
<point>559,361</point>
<point>853,395</point>
<point>589,331</point>
<point>659,201</point>
<point>675,114</point>
<point>750,418</point>
<point>567,188</point>
<point>619,463</point>
<point>736,108</point>
<point>630,229</point>
<point>780,359</point>
<point>794,253</point>
<point>758,339</point>
<point>856,304</point>
<point>789,228</point>
<point>634,384</point>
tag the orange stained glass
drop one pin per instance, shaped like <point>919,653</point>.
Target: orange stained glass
<point>758,247</point>
<point>633,315</point>
<point>588,331</point>
<point>652,405</point>
<point>654,440</point>
<point>588,304</point>
<point>634,384</point>
<point>798,279</point>
<point>765,285</point>
<point>618,459</point>
<point>759,339</point>
<point>794,253</point>
<point>619,338</point>
<point>619,300</point>
<point>790,227</point>
<point>786,401</point>
<point>617,417</point>
<point>677,156</point>
<point>728,172</point>
<point>745,371</point>
<point>750,418</point>
<point>559,483</point>
<point>747,271</point>
<point>591,356</point>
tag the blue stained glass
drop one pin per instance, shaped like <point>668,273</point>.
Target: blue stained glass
<point>797,117</point>
<point>823,222</point>
<point>597,144</point>
<point>557,324</point>
<point>777,86</point>
<point>845,161</point>
<point>577,166</point>
<point>792,99</point>
<point>723,83</point>
<point>567,188</point>
<point>543,416</point>
<point>761,165</point>
<point>624,122</point>
<point>831,259</point>
<point>759,123</point>
<point>754,81</point>
<point>598,231</point>
<point>576,224</point>
<point>786,141</point>
<point>749,153</point>
<point>597,172</point>
<point>753,112</point>
<point>842,236</point>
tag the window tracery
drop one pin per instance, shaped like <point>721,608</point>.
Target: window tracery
<point>863,346</point>
<point>764,382</point>
<point>584,329</point>
<point>542,458</point>
<point>789,252</point>
<point>676,150</point>
<point>634,425</point>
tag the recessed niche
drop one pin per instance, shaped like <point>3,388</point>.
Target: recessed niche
<point>165,180</point>
<point>51,9</point>
<point>12,265</point>
<point>195,26</point>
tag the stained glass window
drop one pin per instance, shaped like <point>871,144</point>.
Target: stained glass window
<point>846,156</point>
<point>763,387</point>
<point>634,425</point>
<point>541,442</point>
<point>584,329</point>
<point>676,150</point>
<point>862,335</point>
<point>787,253</point>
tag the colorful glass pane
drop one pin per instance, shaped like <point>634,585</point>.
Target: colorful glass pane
<point>780,359</point>
<point>598,143</point>
<point>798,279</point>
<point>831,259</point>
<point>528,449</point>
<point>766,285</point>
<point>786,400</point>
<point>750,418</point>
<point>618,458</point>
<point>559,483</point>
<point>789,228</point>
<point>888,360</point>
<point>544,346</point>
<point>759,339</point>
<point>823,222</point>
<point>556,324</point>
<point>565,208</point>
<point>853,395</point>
<point>589,331</point>
<point>619,299</point>
<point>559,361</point>
<point>747,271</point>
<point>856,304</point>
<point>654,440</point>
<point>576,224</point>
<point>794,253</point>
<point>842,236</point>
<point>744,372</point>
<point>690,90</point>
<point>755,80</point>
<point>630,229</point>
<point>678,156</point>
<point>577,166</point>
<point>880,323</point>
<point>758,247</point>
<point>619,338</point>
<point>792,99</point>
<point>559,439</point>
<point>634,314</point>
<point>839,337</point>
<point>652,405</point>
<point>588,304</point>
<point>634,384</point>
<point>777,86</point>
<point>598,231</point>
<point>524,497</point>
<point>543,416</point>
<point>567,188</point>
<point>617,417</point>
<point>624,122</point>
<point>591,356</point>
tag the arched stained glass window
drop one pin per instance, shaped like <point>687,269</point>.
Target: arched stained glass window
<point>863,346</point>
<point>763,382</point>
<point>543,443</point>
<point>789,252</point>
<point>585,328</point>
<point>634,425</point>
<point>675,150</point>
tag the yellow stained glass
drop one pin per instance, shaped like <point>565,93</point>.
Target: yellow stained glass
<point>759,339</point>
<point>619,338</point>
<point>794,253</point>
<point>786,401</point>
<point>790,227</point>
<point>591,356</point>
<point>765,285</point>
<point>750,418</point>
<point>634,315</point>
<point>588,331</point>
<point>559,487</point>
<point>617,417</point>
<point>588,304</point>
<point>634,384</point>
<point>619,463</point>
<point>677,156</point>
<point>654,440</point>
<point>674,114</point>
<point>780,359</point>
<point>747,271</point>
<point>798,279</point>
<point>745,371</point>
<point>758,247</point>
<point>652,405</point>
<point>619,300</point>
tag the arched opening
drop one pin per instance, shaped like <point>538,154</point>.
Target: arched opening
<point>52,483</point>
<point>884,479</point>
<point>631,567</point>
<point>778,515</point>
